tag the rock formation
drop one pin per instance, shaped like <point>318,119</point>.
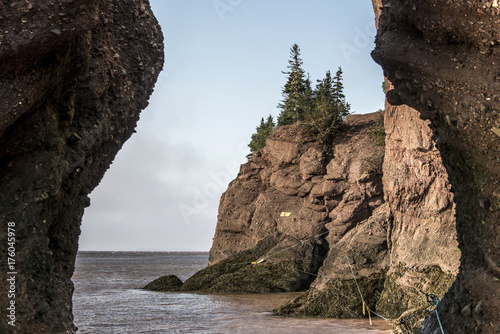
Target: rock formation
<point>75,75</point>
<point>443,59</point>
<point>165,283</point>
<point>440,179</point>
<point>409,242</point>
<point>383,213</point>
<point>288,206</point>
<point>398,242</point>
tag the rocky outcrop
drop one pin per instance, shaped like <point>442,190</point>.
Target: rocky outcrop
<point>364,249</point>
<point>165,284</point>
<point>423,232</point>
<point>409,242</point>
<point>396,249</point>
<point>442,58</point>
<point>386,224</point>
<point>288,206</point>
<point>75,75</point>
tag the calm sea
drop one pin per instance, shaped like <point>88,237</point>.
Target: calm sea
<point>107,299</point>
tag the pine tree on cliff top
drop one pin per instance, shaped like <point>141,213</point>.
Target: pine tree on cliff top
<point>321,110</point>
<point>342,107</point>
<point>329,111</point>
<point>293,106</point>
<point>264,130</point>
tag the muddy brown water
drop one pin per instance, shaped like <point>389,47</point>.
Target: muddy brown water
<point>107,300</point>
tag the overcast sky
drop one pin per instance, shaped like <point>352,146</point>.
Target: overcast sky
<point>222,73</point>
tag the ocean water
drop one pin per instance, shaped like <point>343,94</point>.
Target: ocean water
<point>108,299</point>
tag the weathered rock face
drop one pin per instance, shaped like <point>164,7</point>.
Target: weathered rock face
<point>396,232</point>
<point>335,293</point>
<point>443,59</point>
<point>283,204</point>
<point>407,245</point>
<point>74,77</point>
<point>288,189</point>
<point>424,248</point>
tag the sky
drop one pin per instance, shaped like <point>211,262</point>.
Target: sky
<point>222,73</point>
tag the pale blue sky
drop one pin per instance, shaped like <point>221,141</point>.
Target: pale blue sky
<point>222,73</point>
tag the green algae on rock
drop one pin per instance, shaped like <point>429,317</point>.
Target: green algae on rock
<point>240,275</point>
<point>164,283</point>
<point>340,299</point>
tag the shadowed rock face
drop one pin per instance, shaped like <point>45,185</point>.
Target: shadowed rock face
<point>443,58</point>
<point>74,77</point>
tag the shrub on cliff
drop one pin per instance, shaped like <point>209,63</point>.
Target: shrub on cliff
<point>377,130</point>
<point>264,130</point>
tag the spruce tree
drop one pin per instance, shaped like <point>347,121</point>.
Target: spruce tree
<point>329,111</point>
<point>321,110</point>
<point>324,97</point>
<point>343,108</point>
<point>263,131</point>
<point>293,106</point>
<point>308,103</point>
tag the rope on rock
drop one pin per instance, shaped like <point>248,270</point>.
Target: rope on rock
<point>433,301</point>
<point>263,259</point>
<point>362,299</point>
<point>300,243</point>
<point>306,272</point>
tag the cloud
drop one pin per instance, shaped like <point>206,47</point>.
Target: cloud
<point>137,202</point>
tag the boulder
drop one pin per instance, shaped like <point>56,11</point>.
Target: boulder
<point>164,283</point>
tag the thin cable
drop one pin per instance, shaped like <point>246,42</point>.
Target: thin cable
<point>300,243</point>
<point>361,295</point>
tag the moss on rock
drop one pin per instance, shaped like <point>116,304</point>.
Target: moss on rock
<point>340,299</point>
<point>397,298</point>
<point>164,283</point>
<point>240,275</point>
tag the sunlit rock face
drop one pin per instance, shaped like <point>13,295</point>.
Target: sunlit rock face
<point>406,245</point>
<point>442,58</point>
<point>386,212</point>
<point>74,77</point>
<point>289,191</point>
<point>303,213</point>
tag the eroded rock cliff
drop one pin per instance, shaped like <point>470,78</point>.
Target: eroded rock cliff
<point>289,206</point>
<point>75,75</point>
<point>409,243</point>
<point>383,213</point>
<point>443,59</point>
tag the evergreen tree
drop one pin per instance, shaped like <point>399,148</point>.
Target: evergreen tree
<point>321,110</point>
<point>264,130</point>
<point>343,108</point>
<point>329,112</point>
<point>324,97</point>
<point>309,104</point>
<point>293,106</point>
